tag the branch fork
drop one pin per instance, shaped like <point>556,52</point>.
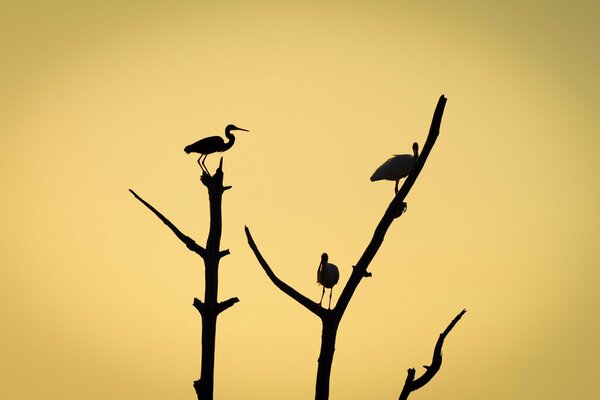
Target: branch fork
<point>331,318</point>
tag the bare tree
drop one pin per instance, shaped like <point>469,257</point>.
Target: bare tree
<point>210,308</point>
<point>331,318</point>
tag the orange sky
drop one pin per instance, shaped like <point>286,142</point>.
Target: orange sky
<point>97,98</point>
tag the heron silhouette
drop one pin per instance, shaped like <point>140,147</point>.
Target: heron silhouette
<point>397,167</point>
<point>327,276</point>
<point>213,144</point>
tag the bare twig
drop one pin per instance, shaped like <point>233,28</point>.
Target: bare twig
<point>199,305</point>
<point>224,305</point>
<point>411,384</point>
<point>224,253</point>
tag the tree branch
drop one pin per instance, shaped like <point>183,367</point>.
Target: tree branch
<point>224,253</point>
<point>284,287</point>
<point>394,210</point>
<point>199,305</point>
<point>189,242</point>
<point>224,305</point>
<point>411,384</point>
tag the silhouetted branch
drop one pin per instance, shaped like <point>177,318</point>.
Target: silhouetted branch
<point>220,169</point>
<point>367,274</point>
<point>189,242</point>
<point>284,287</point>
<point>434,131</point>
<point>224,305</point>
<point>394,210</point>
<point>199,305</point>
<point>224,253</point>
<point>411,384</point>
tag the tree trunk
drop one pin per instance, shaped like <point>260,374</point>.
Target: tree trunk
<point>205,385</point>
<point>330,326</point>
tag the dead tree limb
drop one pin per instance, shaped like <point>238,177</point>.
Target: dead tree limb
<point>210,308</point>
<point>411,384</point>
<point>332,318</point>
<point>188,241</point>
<point>284,287</point>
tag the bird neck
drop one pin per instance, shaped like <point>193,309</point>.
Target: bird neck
<point>231,140</point>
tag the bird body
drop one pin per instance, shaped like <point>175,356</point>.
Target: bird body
<point>397,167</point>
<point>209,145</point>
<point>328,276</point>
<point>213,144</point>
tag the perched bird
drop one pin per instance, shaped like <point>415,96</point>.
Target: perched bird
<point>213,144</point>
<point>327,276</point>
<point>397,167</point>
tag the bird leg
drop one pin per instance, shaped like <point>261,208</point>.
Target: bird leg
<point>396,188</point>
<point>201,163</point>
<point>330,293</point>
<point>322,294</point>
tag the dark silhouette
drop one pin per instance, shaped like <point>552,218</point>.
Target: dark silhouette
<point>397,167</point>
<point>210,308</point>
<point>411,384</point>
<point>327,276</point>
<point>331,318</point>
<point>212,144</point>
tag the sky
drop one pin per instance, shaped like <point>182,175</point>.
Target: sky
<point>100,97</point>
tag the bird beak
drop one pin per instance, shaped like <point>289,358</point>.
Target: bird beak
<point>242,129</point>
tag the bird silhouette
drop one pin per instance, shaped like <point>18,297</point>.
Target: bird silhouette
<point>213,144</point>
<point>397,167</point>
<point>327,276</point>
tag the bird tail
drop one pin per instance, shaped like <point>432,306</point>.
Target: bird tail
<point>187,149</point>
<point>376,176</point>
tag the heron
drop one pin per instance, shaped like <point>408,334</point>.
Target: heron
<point>397,167</point>
<point>213,144</point>
<point>327,276</point>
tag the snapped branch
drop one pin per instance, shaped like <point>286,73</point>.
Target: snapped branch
<point>284,287</point>
<point>411,384</point>
<point>224,305</point>
<point>199,305</point>
<point>224,253</point>
<point>189,242</point>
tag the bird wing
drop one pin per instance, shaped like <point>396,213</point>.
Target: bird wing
<point>205,145</point>
<point>396,167</point>
<point>330,275</point>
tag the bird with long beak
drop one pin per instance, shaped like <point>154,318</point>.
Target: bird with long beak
<point>213,144</point>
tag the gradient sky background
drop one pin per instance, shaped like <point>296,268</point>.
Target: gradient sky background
<point>98,97</point>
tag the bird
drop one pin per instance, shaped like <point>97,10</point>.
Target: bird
<point>213,144</point>
<point>327,276</point>
<point>397,167</point>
